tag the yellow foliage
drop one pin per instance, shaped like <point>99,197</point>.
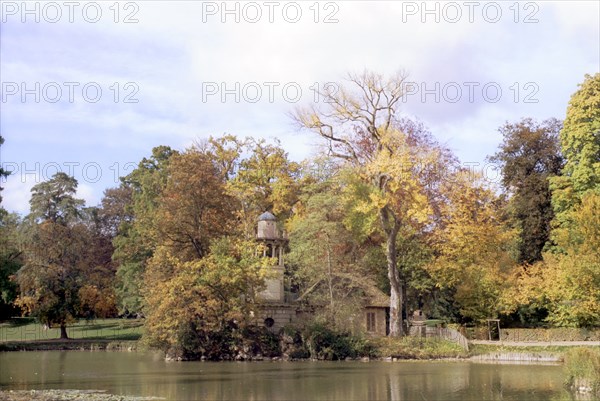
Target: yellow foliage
<point>474,247</point>
<point>207,292</point>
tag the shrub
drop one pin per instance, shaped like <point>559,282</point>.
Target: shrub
<point>582,368</point>
<point>324,343</point>
<point>261,341</point>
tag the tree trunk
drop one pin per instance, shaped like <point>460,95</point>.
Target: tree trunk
<point>329,271</point>
<point>63,332</point>
<point>396,298</point>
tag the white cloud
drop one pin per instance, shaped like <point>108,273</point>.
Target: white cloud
<point>17,192</point>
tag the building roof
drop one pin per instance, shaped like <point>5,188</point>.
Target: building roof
<point>267,216</point>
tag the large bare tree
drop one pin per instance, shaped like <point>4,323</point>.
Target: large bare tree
<point>361,124</point>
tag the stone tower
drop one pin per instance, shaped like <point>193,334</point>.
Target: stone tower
<point>274,242</point>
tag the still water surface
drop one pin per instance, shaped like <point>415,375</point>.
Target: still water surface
<point>147,374</point>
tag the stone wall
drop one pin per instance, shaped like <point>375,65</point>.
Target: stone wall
<point>281,315</point>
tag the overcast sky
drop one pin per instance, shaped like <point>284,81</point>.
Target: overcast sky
<point>89,88</point>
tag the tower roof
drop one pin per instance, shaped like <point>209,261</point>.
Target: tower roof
<point>267,216</point>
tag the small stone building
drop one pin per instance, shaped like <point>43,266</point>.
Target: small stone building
<point>279,306</point>
<point>376,321</point>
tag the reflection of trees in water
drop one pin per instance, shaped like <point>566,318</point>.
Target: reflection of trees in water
<point>402,381</point>
<point>500,382</point>
<point>425,381</point>
<point>144,375</point>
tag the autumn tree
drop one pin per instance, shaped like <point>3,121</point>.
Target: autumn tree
<point>194,309</point>
<point>567,281</point>
<point>194,206</point>
<point>259,174</point>
<point>97,297</point>
<point>528,157</point>
<point>361,125</point>
<point>136,238</point>
<point>325,259</point>
<point>198,279</point>
<point>475,247</point>
<point>573,290</point>
<point>115,211</point>
<point>50,278</point>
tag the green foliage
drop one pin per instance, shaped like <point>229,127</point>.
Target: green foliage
<point>136,238</point>
<point>54,200</point>
<point>582,369</point>
<point>11,260</point>
<point>55,254</point>
<point>580,137</point>
<point>580,144</point>
<point>325,255</point>
<point>260,341</point>
<point>528,156</point>
<point>326,344</point>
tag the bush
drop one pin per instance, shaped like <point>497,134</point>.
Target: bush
<point>582,367</point>
<point>259,340</point>
<point>324,343</point>
<point>192,343</point>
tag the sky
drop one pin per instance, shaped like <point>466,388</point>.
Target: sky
<point>89,88</point>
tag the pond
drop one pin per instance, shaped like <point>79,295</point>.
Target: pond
<point>147,374</point>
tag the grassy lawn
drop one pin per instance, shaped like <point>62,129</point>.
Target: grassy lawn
<point>26,329</point>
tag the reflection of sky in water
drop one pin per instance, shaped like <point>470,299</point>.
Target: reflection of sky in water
<point>148,374</point>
